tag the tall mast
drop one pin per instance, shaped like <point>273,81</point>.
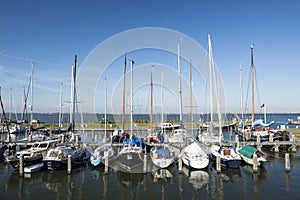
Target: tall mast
<point>10,103</point>
<point>162,97</point>
<point>74,92</point>
<point>60,105</point>
<point>5,119</point>
<point>105,108</point>
<point>179,76</point>
<point>31,106</point>
<point>191,95</point>
<point>151,103</point>
<point>210,81</point>
<point>252,70</point>
<point>123,101</point>
<point>131,99</point>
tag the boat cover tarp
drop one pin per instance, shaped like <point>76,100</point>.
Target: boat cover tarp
<point>163,152</point>
<point>248,151</point>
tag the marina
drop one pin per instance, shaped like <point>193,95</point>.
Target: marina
<point>89,182</point>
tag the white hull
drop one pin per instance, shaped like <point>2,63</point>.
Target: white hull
<point>194,156</point>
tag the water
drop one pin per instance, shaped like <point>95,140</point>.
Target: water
<point>87,182</point>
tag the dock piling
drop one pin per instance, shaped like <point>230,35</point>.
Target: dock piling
<point>145,163</point>
<point>255,163</point>
<point>21,165</point>
<point>180,164</point>
<point>287,162</point>
<point>106,162</point>
<point>69,164</point>
<point>218,164</point>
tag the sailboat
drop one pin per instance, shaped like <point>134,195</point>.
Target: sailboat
<point>178,135</point>
<point>130,156</point>
<point>57,157</point>
<point>194,155</point>
<point>258,128</point>
<point>98,156</point>
<point>227,153</point>
<point>210,136</point>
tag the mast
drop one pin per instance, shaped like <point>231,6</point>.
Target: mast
<point>191,95</point>
<point>252,72</point>
<point>151,103</point>
<point>210,81</point>
<point>123,101</point>
<point>105,108</point>
<point>31,106</point>
<point>60,105</point>
<point>131,99</point>
<point>4,115</point>
<point>162,97</point>
<point>74,93</point>
<point>10,103</point>
<point>179,76</point>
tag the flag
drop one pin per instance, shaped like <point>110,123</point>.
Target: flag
<point>262,106</point>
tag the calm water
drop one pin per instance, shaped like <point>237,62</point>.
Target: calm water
<point>87,182</point>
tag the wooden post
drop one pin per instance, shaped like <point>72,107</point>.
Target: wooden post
<point>106,162</point>
<point>258,139</point>
<point>69,164</point>
<point>21,165</point>
<point>180,164</point>
<point>271,138</point>
<point>287,162</point>
<point>255,163</point>
<point>218,164</point>
<point>145,163</point>
<point>76,139</point>
<point>276,148</point>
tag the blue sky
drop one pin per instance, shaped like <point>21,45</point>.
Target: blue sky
<point>48,33</point>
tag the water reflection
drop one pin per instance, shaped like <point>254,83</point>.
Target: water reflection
<point>162,174</point>
<point>197,178</point>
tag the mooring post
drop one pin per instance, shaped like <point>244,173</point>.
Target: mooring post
<point>69,164</point>
<point>145,163</point>
<point>180,164</point>
<point>276,148</point>
<point>21,165</point>
<point>258,140</point>
<point>76,140</point>
<point>218,164</point>
<point>287,162</point>
<point>255,163</point>
<point>106,162</point>
<point>271,138</point>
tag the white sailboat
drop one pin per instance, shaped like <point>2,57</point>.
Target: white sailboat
<point>210,136</point>
<point>227,153</point>
<point>178,135</point>
<point>194,155</point>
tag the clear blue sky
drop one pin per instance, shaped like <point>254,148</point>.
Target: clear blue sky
<point>50,32</point>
